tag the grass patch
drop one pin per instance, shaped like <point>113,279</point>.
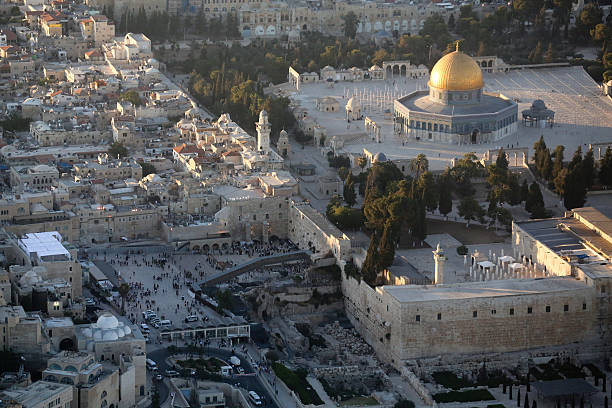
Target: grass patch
<point>296,381</point>
<point>359,401</point>
<point>464,396</point>
<point>212,365</point>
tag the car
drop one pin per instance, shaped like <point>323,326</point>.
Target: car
<point>145,328</point>
<point>90,302</point>
<point>192,318</point>
<point>192,372</point>
<point>159,377</point>
<point>156,325</point>
<point>172,373</point>
<point>240,370</point>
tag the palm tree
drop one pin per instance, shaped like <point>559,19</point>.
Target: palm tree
<point>124,289</point>
<point>362,161</point>
<point>419,165</point>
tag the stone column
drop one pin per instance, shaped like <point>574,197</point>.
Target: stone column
<point>439,260</point>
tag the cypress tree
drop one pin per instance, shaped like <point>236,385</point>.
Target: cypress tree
<point>574,195</point>
<point>588,168</point>
<point>518,398</point>
<point>526,404</point>
<point>605,169</point>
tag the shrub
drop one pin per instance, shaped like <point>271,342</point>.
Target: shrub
<point>462,250</point>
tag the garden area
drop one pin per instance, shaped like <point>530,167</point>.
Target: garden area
<point>206,368</point>
<point>464,396</point>
<point>296,381</point>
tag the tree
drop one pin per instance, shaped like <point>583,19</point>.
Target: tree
<point>350,24</point>
<point>427,192</point>
<point>588,168</point>
<point>117,149</point>
<point>534,204</point>
<point>387,245</point>
<point>131,96</point>
<point>470,210</point>
<point>549,55</point>
<point>605,169</point>
<point>445,200</point>
<point>362,162</point>
<point>524,190</point>
<point>369,269</point>
<point>147,168</point>
<point>557,160</point>
<point>575,187</point>
<point>124,290</point>
<point>419,165</point>
<point>349,190</point>
<point>405,403</point>
<point>526,403</point>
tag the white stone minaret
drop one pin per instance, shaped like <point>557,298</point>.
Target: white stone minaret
<point>263,132</point>
<point>439,260</point>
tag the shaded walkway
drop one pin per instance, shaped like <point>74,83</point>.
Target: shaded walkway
<point>231,273</point>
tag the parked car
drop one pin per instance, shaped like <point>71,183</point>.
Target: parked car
<point>192,318</point>
<point>145,328</point>
<point>90,302</point>
<point>172,373</point>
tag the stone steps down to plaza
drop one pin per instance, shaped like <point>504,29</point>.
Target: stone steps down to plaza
<point>231,273</point>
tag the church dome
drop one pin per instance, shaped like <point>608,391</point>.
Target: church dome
<point>107,321</point>
<point>456,72</point>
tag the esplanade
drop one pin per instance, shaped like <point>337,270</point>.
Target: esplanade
<point>455,109</point>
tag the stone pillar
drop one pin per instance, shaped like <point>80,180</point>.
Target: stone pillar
<point>439,260</point>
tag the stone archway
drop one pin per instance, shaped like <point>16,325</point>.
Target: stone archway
<point>67,344</point>
<point>475,134</point>
<point>403,70</point>
<point>396,70</point>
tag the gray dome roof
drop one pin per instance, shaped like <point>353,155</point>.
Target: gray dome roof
<point>379,158</point>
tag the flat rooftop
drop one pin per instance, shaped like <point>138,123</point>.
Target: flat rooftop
<point>47,246</point>
<point>488,289</point>
<point>38,392</point>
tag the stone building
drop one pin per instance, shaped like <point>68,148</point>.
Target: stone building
<point>119,342</point>
<point>455,109</point>
<point>41,394</point>
<point>22,332</point>
<point>567,304</point>
<point>108,169</point>
<point>93,383</point>
<point>39,177</point>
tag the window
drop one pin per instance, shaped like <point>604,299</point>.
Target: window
<point>474,313</point>
<point>529,310</point>
<point>418,318</point>
<point>493,311</point>
<point>584,306</point>
<point>439,316</point>
<point>511,311</point>
<point>547,309</point>
<point>566,308</point>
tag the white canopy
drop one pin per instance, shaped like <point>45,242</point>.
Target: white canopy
<point>486,264</point>
<point>507,258</point>
<point>515,266</point>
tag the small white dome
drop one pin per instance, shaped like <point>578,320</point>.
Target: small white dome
<point>107,321</point>
<point>110,335</point>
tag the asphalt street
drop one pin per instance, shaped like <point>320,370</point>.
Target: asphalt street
<point>249,380</point>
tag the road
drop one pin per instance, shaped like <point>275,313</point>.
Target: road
<point>249,381</point>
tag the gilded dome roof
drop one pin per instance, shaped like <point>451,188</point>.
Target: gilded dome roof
<point>456,72</point>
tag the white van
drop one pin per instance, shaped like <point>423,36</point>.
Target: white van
<point>151,365</point>
<point>254,398</point>
<point>165,324</point>
<point>192,318</point>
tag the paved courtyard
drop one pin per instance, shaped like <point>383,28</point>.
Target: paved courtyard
<point>583,114</point>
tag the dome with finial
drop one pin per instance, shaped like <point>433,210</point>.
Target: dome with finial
<point>456,72</point>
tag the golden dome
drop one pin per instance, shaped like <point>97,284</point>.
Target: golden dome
<point>456,72</point>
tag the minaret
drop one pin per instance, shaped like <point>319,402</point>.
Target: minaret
<point>283,145</point>
<point>263,132</point>
<point>439,260</point>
